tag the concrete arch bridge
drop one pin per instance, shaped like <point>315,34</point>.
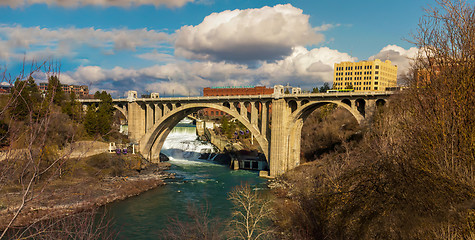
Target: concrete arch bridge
<point>275,120</point>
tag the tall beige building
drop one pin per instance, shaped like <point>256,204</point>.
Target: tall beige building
<point>365,76</point>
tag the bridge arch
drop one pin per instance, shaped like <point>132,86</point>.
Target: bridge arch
<point>122,109</point>
<point>296,122</point>
<point>380,102</point>
<point>346,101</point>
<point>305,110</point>
<point>152,142</point>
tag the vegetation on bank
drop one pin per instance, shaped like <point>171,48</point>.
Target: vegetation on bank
<point>412,175</point>
<point>38,178</point>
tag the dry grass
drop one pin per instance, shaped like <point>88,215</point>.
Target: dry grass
<point>85,184</point>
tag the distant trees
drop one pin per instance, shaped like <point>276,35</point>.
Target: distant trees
<point>98,120</point>
<point>25,99</point>
<point>55,91</point>
<point>323,89</point>
<point>72,107</point>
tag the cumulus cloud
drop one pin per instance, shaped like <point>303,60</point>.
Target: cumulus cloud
<point>398,56</point>
<point>18,40</point>
<point>267,34</point>
<point>90,74</point>
<point>304,68</point>
<point>104,3</point>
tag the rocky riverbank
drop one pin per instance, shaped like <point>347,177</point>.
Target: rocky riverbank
<point>89,183</point>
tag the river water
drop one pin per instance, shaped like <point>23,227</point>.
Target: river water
<point>198,182</point>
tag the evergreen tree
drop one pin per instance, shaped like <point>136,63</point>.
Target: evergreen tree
<point>72,108</point>
<point>99,121</point>
<point>325,88</point>
<point>55,91</point>
<point>90,120</point>
<point>26,98</point>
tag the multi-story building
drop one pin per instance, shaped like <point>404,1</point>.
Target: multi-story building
<point>79,90</point>
<point>365,75</point>
<point>232,91</point>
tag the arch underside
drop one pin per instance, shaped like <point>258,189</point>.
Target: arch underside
<point>296,122</point>
<point>122,110</point>
<point>305,110</point>
<point>152,142</point>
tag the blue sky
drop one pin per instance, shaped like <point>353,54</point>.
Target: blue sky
<point>181,46</point>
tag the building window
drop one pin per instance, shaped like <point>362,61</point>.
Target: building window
<point>376,77</point>
<point>377,72</point>
<point>377,67</point>
<point>375,88</point>
<point>375,83</point>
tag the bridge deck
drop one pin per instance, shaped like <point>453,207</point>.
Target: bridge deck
<point>250,97</point>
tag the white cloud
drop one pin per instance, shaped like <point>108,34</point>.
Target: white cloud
<point>104,3</point>
<point>267,33</point>
<point>302,68</point>
<point>61,42</point>
<point>398,56</point>
<point>157,56</point>
<point>305,68</point>
<point>90,74</point>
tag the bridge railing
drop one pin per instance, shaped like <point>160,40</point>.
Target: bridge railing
<point>250,97</point>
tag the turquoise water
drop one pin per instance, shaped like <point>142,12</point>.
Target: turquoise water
<point>198,182</point>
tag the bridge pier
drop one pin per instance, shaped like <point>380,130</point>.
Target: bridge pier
<point>136,121</point>
<point>279,142</point>
<point>149,116</point>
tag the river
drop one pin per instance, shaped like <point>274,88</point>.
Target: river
<point>198,182</point>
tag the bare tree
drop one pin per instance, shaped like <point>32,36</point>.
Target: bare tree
<point>30,158</point>
<point>251,214</point>
<point>442,88</point>
<point>200,225</point>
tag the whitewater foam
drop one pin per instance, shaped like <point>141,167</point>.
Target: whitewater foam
<point>183,147</point>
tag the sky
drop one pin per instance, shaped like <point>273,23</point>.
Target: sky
<point>178,47</point>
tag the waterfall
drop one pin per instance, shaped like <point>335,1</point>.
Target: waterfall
<point>182,145</point>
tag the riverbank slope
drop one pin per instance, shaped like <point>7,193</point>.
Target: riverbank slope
<point>83,183</point>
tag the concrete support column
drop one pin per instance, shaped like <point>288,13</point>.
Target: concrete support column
<point>158,112</point>
<point>294,144</point>
<point>231,106</point>
<point>279,145</point>
<point>136,121</point>
<point>166,109</point>
<point>243,111</point>
<point>370,109</point>
<point>149,115</point>
<point>126,112</point>
<point>254,115</point>
<point>353,105</point>
<point>264,122</point>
